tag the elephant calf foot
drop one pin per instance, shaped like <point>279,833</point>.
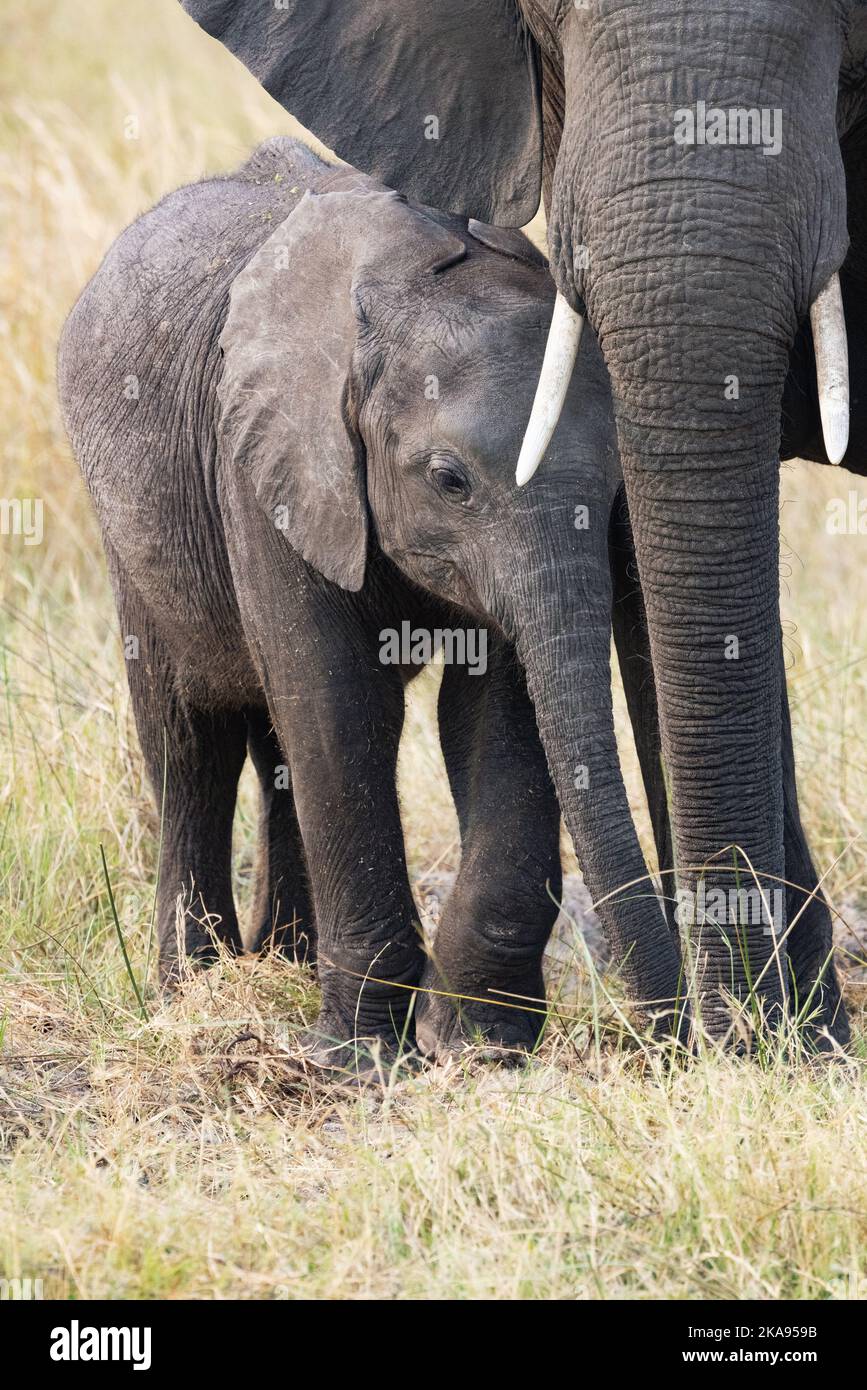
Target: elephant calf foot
<point>366,1032</point>
<point>362,1057</point>
<point>294,939</point>
<point>362,1047</point>
<point>197,943</point>
<point>459,1019</point>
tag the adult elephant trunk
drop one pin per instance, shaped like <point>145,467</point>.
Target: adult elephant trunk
<point>560,607</point>
<point>702,483</point>
<point>698,428</point>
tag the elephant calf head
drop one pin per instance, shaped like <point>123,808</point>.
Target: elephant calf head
<point>378,367</point>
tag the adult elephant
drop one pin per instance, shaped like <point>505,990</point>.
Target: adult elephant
<point>696,162</point>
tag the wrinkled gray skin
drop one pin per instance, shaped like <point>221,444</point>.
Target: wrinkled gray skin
<point>245,385</point>
<point>693,264</point>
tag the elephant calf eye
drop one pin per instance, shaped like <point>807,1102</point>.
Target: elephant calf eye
<point>449,480</point>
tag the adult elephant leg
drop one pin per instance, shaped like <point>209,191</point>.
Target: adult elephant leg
<point>487,956</point>
<point>632,641</point>
<point>282,910</point>
<point>810,941</point>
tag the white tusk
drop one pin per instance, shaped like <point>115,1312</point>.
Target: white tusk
<point>832,367</point>
<point>564,337</point>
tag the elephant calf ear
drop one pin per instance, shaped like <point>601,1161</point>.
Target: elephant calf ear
<point>438,98</point>
<point>287,345</point>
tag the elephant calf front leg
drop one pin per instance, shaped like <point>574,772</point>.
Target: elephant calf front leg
<point>484,979</point>
<point>339,716</point>
<point>337,713</point>
<point>344,758</point>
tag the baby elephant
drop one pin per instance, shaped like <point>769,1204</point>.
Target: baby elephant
<point>297,400</point>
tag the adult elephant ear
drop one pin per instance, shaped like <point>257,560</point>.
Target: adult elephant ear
<point>288,395</point>
<point>438,98</point>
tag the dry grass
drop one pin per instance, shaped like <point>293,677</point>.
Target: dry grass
<point>163,1157</point>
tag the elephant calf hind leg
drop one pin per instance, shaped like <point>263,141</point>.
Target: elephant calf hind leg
<point>483,983</point>
<point>282,910</point>
<point>198,755</point>
<point>196,909</point>
<point>487,956</point>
